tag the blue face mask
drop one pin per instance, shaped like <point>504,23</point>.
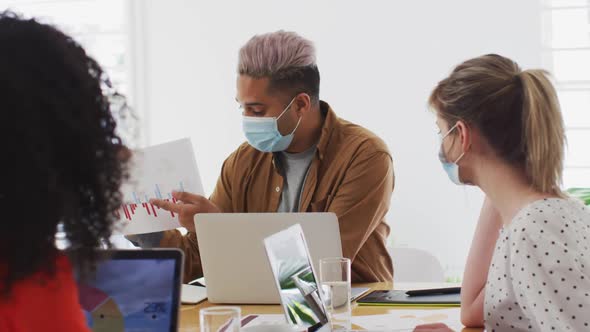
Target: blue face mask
<point>451,168</point>
<point>263,133</point>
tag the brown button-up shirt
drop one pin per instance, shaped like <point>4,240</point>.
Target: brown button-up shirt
<point>350,175</point>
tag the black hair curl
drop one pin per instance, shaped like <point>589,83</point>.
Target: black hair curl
<point>62,158</point>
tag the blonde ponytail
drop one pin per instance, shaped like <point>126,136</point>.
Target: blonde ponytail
<point>516,111</point>
<point>544,137</point>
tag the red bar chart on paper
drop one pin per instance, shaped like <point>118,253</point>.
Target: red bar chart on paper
<point>128,210</point>
<point>155,173</point>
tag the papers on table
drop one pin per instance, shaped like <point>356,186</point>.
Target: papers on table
<point>192,294</point>
<point>155,172</point>
<point>396,320</point>
<point>258,320</point>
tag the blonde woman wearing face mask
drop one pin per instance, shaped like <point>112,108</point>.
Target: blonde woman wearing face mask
<point>528,268</point>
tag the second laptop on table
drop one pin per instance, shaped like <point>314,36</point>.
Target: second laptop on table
<point>233,257</point>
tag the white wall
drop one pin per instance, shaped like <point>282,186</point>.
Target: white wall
<point>378,61</point>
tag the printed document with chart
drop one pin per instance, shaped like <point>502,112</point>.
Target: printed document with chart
<point>155,172</point>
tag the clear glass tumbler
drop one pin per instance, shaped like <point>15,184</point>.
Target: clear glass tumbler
<point>336,291</point>
<point>220,319</point>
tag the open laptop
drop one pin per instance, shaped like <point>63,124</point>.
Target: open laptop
<point>133,290</point>
<point>233,257</point>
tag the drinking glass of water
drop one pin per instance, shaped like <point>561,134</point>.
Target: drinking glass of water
<point>335,285</point>
<point>220,319</point>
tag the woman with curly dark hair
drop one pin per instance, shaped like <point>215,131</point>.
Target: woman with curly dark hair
<point>62,163</point>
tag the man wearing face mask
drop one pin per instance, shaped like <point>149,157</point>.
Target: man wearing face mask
<point>299,157</point>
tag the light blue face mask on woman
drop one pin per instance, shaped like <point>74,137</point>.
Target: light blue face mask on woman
<point>451,168</point>
<point>263,133</point>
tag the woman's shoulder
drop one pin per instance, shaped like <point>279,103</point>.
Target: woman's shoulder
<point>37,296</point>
<point>553,211</point>
<point>36,286</point>
<point>558,220</point>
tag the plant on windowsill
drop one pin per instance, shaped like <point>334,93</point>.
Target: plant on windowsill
<point>581,193</point>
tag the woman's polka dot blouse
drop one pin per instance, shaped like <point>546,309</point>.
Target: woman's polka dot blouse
<point>539,279</point>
